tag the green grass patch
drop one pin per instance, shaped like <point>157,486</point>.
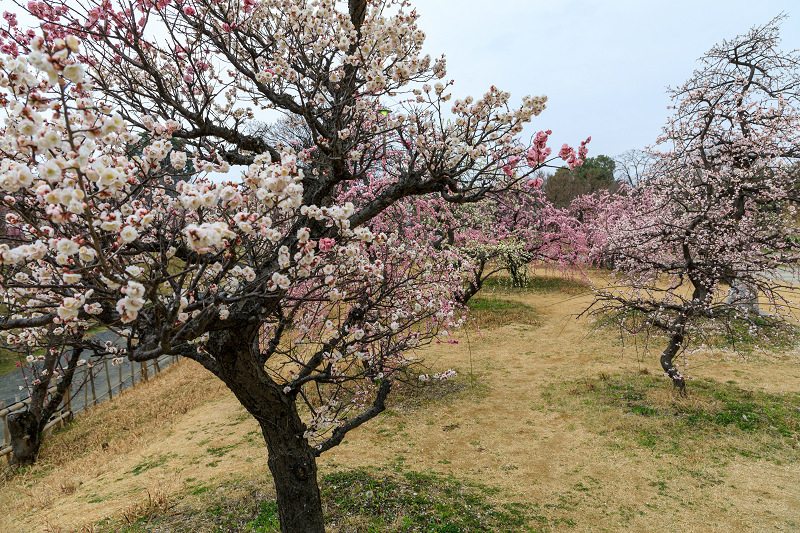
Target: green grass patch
<point>720,416</point>
<point>151,462</point>
<point>744,336</point>
<point>368,500</point>
<point>536,284</point>
<point>362,500</point>
<point>8,362</point>
<point>10,357</point>
<point>267,519</point>
<point>489,311</point>
<point>219,451</point>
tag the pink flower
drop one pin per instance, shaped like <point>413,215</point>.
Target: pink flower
<point>189,11</point>
<point>326,244</point>
<point>11,18</point>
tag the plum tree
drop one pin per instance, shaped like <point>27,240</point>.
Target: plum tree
<point>711,228</point>
<point>278,279</point>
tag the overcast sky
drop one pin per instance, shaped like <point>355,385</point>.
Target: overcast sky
<point>604,64</point>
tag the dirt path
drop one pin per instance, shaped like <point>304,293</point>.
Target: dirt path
<point>502,434</point>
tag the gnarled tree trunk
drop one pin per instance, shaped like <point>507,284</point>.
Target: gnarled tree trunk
<point>291,459</point>
<point>671,352</point>
<point>294,469</point>
<point>26,437</point>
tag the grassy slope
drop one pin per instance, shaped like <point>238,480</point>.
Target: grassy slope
<point>548,428</point>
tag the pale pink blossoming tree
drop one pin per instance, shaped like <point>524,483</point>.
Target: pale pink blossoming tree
<point>273,281</point>
<point>712,227</point>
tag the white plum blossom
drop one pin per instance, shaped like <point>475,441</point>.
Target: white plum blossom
<point>128,234</point>
<point>207,237</point>
<point>74,72</point>
<point>70,307</point>
<point>177,159</point>
<point>65,246</point>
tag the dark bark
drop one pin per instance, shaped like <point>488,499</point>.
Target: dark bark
<point>668,361</point>
<point>294,469</point>
<point>291,460</point>
<point>475,284</point>
<point>518,269</point>
<point>26,438</point>
<point>358,10</point>
<point>26,428</point>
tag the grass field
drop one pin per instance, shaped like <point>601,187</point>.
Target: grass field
<point>552,425</point>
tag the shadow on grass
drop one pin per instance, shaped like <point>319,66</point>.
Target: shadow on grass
<point>493,312</point>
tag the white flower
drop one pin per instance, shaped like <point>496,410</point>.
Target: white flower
<point>93,309</point>
<point>112,124</point>
<point>66,247</point>
<point>86,254</point>
<point>128,308</point>
<point>49,139</point>
<point>73,43</point>
<point>207,237</point>
<point>50,171</point>
<point>248,273</point>
<point>135,290</point>
<point>281,281</point>
<point>69,308</point>
<point>128,234</point>
<point>74,72</point>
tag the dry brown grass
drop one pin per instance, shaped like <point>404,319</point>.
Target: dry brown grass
<point>156,503</point>
<point>578,467</point>
<point>138,418</point>
<point>124,424</point>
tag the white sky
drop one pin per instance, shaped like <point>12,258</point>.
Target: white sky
<point>604,64</point>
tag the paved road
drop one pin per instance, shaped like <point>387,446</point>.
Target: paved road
<point>10,383</point>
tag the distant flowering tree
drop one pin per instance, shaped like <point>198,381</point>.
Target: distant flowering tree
<point>506,231</point>
<point>278,281</point>
<point>711,229</point>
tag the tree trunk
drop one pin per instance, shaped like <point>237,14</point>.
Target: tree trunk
<point>668,361</point>
<point>290,458</point>
<point>517,276</point>
<point>25,438</point>
<point>475,285</point>
<point>294,469</point>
